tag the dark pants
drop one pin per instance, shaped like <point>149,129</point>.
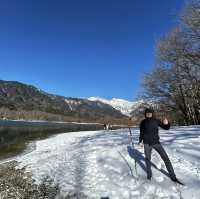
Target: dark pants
<point>158,147</point>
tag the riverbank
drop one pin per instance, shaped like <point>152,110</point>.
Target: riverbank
<point>16,135</point>
<point>18,184</point>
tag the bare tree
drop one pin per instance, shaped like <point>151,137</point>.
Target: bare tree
<point>175,81</point>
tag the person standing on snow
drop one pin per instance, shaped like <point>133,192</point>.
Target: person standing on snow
<point>104,126</point>
<point>149,138</point>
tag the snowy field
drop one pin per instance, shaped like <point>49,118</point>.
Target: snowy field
<point>103,164</point>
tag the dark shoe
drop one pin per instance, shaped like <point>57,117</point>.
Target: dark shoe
<point>173,178</point>
<point>177,181</point>
<point>148,178</point>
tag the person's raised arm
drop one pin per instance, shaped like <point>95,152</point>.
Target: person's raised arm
<point>164,124</point>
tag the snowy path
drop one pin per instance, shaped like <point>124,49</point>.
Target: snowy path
<point>102,164</point>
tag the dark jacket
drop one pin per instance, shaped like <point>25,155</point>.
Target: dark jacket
<point>149,130</point>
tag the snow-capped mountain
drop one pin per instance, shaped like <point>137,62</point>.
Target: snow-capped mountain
<point>126,107</point>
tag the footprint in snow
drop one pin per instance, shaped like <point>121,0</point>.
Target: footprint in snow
<point>159,178</point>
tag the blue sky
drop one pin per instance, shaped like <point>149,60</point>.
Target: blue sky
<point>83,48</point>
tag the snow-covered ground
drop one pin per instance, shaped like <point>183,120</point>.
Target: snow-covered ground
<point>102,164</point>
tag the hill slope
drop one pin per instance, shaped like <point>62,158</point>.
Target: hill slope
<point>17,96</point>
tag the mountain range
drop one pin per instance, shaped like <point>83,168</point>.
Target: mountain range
<point>124,106</point>
<point>22,101</point>
<point>17,100</point>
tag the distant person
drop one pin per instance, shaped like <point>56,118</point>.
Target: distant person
<point>107,126</point>
<point>149,138</point>
<point>104,126</point>
<point>3,118</point>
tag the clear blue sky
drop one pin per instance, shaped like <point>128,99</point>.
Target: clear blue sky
<point>83,48</point>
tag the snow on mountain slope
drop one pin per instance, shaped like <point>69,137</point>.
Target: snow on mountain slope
<point>102,164</point>
<point>126,107</point>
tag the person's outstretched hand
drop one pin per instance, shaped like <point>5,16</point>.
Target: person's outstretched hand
<point>165,121</point>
